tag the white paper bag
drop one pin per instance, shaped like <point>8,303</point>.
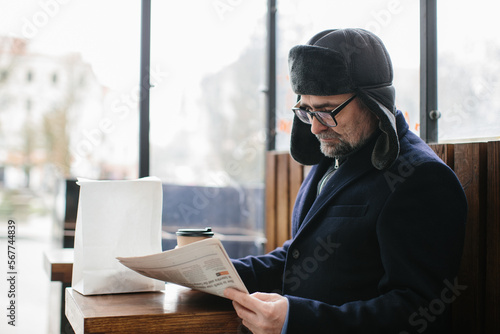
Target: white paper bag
<point>116,219</point>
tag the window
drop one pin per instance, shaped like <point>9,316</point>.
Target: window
<point>468,69</point>
<point>69,131</point>
<point>392,20</point>
<point>207,118</point>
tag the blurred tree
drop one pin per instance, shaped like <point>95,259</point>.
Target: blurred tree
<point>236,119</point>
<point>55,130</point>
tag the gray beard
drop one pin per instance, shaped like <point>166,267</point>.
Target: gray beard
<point>341,149</point>
<point>338,150</point>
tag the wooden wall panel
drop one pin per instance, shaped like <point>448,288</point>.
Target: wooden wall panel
<point>470,167</point>
<point>492,295</point>
<point>282,199</point>
<point>445,152</point>
<point>283,179</point>
<point>270,214</point>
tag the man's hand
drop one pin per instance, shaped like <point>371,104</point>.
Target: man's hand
<point>261,312</point>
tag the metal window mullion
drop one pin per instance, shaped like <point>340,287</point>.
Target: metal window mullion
<point>428,72</point>
<point>145,86</point>
<point>271,76</point>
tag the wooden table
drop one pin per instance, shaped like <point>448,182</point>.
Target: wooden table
<point>174,310</point>
<point>59,264</point>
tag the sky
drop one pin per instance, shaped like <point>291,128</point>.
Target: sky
<point>65,26</point>
<point>107,32</point>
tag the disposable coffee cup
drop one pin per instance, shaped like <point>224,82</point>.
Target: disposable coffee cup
<point>189,235</point>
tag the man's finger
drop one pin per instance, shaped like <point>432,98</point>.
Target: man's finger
<point>233,294</point>
<point>242,298</point>
<point>242,311</point>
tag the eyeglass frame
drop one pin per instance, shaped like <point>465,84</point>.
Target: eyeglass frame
<point>311,114</point>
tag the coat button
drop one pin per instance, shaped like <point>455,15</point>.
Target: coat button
<point>295,254</point>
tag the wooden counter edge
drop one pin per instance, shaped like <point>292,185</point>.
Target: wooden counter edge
<point>58,264</point>
<point>199,322</point>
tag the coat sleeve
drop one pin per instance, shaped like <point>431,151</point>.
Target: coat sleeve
<point>263,273</point>
<point>421,232</point>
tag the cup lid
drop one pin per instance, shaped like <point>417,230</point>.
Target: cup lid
<point>195,232</point>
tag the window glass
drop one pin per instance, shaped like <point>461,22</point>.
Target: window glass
<point>393,21</point>
<point>88,131</point>
<point>207,118</point>
<point>69,73</point>
<point>469,69</point>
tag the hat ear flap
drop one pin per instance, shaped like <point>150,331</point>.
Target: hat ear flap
<point>304,146</point>
<point>386,148</point>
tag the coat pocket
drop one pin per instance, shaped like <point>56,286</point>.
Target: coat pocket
<point>347,211</point>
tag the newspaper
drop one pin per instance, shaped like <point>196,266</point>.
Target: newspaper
<point>202,265</point>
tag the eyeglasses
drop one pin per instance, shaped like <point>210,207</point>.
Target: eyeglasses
<point>327,118</point>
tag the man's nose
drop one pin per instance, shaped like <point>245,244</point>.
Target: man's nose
<point>317,127</point>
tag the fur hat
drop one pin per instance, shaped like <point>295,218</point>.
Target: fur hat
<point>338,62</point>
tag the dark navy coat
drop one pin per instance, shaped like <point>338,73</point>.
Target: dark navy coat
<point>375,252</point>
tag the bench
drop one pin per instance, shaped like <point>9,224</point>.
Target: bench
<point>477,165</point>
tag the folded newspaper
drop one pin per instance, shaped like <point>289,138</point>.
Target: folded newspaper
<point>202,265</point>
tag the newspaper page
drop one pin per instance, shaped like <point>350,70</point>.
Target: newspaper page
<point>202,265</point>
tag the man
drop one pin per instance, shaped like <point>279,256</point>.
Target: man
<point>378,224</point>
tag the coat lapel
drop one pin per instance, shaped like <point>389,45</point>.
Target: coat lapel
<point>307,194</point>
<point>353,168</point>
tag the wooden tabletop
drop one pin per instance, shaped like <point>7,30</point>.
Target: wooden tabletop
<point>59,264</point>
<point>174,310</point>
